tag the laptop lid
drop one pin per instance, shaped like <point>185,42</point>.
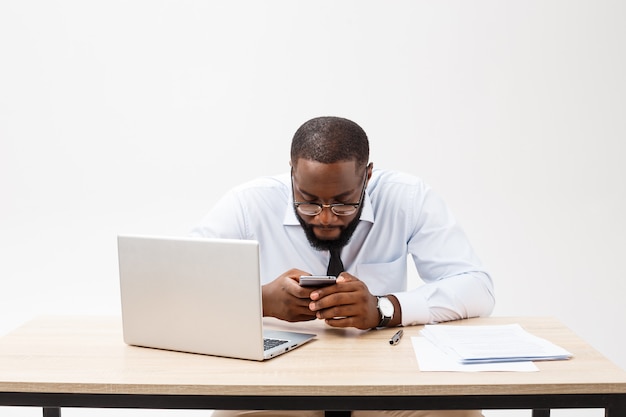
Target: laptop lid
<point>195,295</point>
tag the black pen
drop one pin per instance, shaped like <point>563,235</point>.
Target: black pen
<point>395,339</point>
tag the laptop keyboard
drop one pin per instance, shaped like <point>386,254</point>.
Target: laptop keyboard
<point>270,343</point>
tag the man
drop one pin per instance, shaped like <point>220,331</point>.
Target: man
<point>335,214</point>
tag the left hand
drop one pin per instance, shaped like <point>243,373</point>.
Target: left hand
<point>348,303</point>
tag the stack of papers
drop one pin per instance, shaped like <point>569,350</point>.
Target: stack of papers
<point>492,344</point>
<point>432,359</point>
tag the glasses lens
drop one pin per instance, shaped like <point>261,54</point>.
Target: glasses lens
<point>314,209</point>
<point>309,209</point>
<point>343,210</point>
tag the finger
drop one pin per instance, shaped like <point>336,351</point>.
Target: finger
<point>343,278</point>
<point>346,277</point>
<point>304,293</point>
<point>297,312</point>
<point>339,311</point>
<point>293,287</point>
<point>340,322</point>
<point>344,284</point>
<point>334,299</point>
<point>295,274</point>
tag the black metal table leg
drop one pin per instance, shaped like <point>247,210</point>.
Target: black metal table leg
<point>342,413</point>
<point>52,412</point>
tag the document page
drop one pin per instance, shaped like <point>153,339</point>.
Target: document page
<point>486,344</point>
<point>432,359</point>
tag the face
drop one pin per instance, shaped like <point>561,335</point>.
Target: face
<point>316,182</point>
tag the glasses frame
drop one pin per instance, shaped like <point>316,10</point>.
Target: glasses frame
<point>332,207</point>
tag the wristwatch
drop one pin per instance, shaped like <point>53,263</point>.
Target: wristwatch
<point>386,310</point>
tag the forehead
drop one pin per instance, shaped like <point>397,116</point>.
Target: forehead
<point>326,179</point>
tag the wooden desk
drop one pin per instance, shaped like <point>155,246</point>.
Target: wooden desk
<point>82,362</point>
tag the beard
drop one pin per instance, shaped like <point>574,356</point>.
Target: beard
<point>323,244</point>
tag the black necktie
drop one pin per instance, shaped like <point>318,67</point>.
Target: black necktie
<point>335,266</point>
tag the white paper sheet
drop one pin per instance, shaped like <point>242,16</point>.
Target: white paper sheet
<point>432,359</point>
<point>486,344</point>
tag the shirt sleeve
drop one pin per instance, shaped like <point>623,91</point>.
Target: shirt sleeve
<point>226,220</point>
<point>456,285</point>
<point>452,298</point>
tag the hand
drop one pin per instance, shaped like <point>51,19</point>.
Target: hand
<point>285,299</point>
<point>348,303</point>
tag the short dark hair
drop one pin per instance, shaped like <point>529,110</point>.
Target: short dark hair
<point>330,139</point>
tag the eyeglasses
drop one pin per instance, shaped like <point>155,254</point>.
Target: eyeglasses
<point>338,209</point>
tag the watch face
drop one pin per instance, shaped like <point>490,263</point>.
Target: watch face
<point>386,307</point>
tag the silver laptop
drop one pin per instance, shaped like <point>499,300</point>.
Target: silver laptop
<point>197,295</point>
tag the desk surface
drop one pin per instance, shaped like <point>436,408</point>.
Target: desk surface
<point>86,355</point>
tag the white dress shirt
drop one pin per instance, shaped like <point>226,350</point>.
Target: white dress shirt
<point>401,215</point>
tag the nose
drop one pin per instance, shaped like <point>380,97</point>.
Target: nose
<point>327,216</point>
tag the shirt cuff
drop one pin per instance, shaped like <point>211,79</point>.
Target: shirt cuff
<point>414,308</point>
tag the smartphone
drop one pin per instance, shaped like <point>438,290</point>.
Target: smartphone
<point>317,280</point>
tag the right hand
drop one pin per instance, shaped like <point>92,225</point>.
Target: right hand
<point>285,299</point>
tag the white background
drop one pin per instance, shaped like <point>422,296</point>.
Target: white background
<point>135,116</point>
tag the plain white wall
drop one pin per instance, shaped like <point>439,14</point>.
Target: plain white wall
<point>135,116</point>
